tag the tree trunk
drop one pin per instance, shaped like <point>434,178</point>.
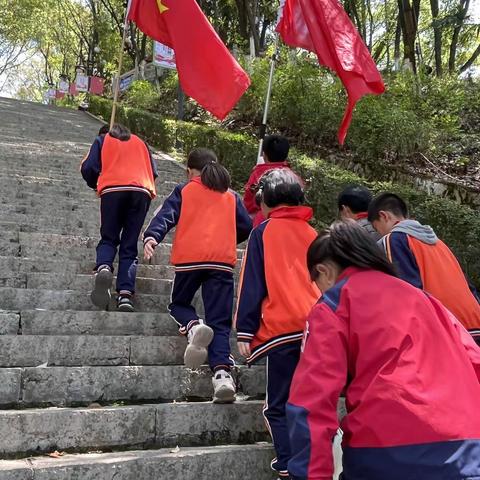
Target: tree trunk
<point>351,9</point>
<point>398,41</point>
<point>409,23</point>
<point>471,60</point>
<point>251,15</point>
<point>242,19</point>
<point>437,33</point>
<point>462,13</point>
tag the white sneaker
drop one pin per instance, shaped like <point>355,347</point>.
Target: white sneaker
<point>223,387</point>
<point>199,338</point>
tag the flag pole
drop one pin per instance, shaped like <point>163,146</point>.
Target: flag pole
<point>263,126</point>
<point>120,64</point>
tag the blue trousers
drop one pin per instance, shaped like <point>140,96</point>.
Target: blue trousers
<point>217,295</point>
<point>281,365</point>
<point>123,214</point>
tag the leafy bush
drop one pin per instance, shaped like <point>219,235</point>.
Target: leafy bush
<point>142,94</point>
<point>458,225</point>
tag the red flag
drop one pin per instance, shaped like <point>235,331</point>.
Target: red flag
<point>324,28</point>
<point>96,85</point>
<point>206,69</point>
<point>73,89</point>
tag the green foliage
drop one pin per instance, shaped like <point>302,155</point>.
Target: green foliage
<point>458,225</point>
<point>142,94</point>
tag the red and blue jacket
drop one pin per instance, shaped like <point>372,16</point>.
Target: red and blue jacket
<point>412,398</point>
<point>113,165</point>
<point>275,291</point>
<point>427,263</point>
<point>209,224</point>
<point>251,188</point>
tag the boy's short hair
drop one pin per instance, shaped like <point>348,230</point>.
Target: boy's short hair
<point>388,202</point>
<point>280,187</point>
<point>276,148</point>
<point>355,197</point>
<point>104,129</point>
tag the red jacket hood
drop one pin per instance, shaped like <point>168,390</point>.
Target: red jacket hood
<point>302,213</point>
<point>261,168</point>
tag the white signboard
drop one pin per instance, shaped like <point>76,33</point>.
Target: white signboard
<point>63,86</point>
<point>163,56</point>
<point>81,82</point>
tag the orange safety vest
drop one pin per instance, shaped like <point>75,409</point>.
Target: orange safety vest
<point>126,164</point>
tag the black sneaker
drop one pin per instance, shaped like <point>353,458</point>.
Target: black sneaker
<point>125,304</point>
<point>100,295</point>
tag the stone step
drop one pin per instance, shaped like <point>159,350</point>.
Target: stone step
<point>199,463</point>
<point>17,299</point>
<point>20,222</point>
<point>42,203</point>
<point>75,247</point>
<point>84,283</point>
<point>32,432</point>
<point>69,167</point>
<point>72,386</point>
<point>72,187</point>
<point>87,350</point>
<point>69,247</point>
<point>34,322</point>
<point>16,268</point>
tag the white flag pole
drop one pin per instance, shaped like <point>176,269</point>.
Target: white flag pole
<point>263,126</point>
<point>120,64</point>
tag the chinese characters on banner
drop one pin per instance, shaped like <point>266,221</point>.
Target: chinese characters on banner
<point>82,82</point>
<point>63,86</point>
<point>163,56</point>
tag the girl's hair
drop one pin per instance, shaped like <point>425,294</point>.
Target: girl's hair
<point>214,176</point>
<point>120,132</point>
<point>348,245</point>
<point>280,187</point>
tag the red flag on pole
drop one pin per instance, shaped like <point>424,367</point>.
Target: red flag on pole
<point>207,71</point>
<point>96,85</point>
<point>323,27</point>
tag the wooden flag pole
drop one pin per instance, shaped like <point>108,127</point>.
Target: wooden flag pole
<point>263,126</point>
<point>120,64</point>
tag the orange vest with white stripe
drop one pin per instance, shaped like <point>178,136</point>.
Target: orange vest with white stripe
<point>211,215</point>
<point>442,276</point>
<point>126,164</point>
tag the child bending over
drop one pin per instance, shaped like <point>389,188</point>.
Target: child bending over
<point>409,370</point>
<point>276,295</point>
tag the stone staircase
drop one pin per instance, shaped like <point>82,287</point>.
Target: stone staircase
<point>86,394</point>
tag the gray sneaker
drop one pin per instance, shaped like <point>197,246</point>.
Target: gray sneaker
<point>199,338</point>
<point>223,387</point>
<point>100,295</point>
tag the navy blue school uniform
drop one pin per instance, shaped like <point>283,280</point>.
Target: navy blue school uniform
<point>209,224</point>
<point>123,174</point>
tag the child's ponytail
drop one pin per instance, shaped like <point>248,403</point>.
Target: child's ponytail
<point>214,176</point>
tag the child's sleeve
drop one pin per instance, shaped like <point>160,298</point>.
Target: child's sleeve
<point>243,220</point>
<point>399,253</point>
<point>165,217</point>
<point>249,195</point>
<point>312,407</point>
<point>91,166</point>
<point>153,163</point>
<point>252,289</point>
<point>469,344</point>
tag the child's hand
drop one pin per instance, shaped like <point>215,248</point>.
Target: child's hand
<point>244,348</point>
<point>149,249</point>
